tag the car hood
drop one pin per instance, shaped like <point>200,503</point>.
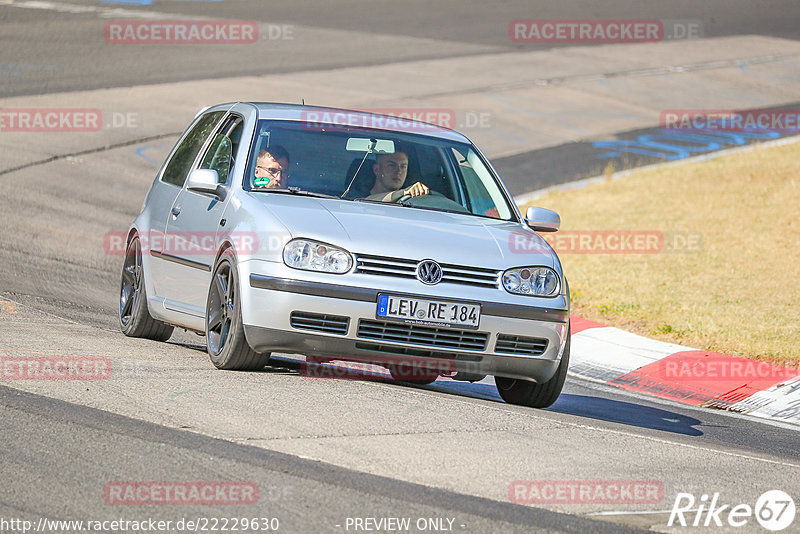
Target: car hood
<point>411,233</point>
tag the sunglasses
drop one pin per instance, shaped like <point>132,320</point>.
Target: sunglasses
<point>272,171</point>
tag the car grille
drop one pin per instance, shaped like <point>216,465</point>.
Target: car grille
<point>418,353</point>
<point>403,268</point>
<point>445,338</point>
<point>327,324</point>
<point>528,346</point>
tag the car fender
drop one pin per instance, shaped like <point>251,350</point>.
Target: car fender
<point>254,234</point>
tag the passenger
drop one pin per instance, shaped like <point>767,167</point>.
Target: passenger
<point>272,166</point>
<point>390,175</point>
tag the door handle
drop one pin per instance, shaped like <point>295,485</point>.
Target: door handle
<point>176,210</point>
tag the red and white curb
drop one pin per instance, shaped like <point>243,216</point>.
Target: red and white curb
<point>605,354</point>
<point>608,355</point>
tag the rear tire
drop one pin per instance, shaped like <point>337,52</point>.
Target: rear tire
<point>134,317</point>
<point>225,339</point>
<point>526,393</point>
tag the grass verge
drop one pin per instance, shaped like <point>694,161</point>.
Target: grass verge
<point>727,275</point>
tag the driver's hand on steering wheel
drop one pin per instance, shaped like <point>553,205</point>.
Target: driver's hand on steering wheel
<point>416,190</point>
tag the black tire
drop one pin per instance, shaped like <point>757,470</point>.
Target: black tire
<point>526,393</point>
<point>225,340</point>
<point>418,376</point>
<point>134,317</point>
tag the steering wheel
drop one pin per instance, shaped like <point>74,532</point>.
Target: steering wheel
<point>431,192</point>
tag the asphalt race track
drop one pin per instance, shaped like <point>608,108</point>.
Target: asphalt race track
<point>58,56</point>
<point>325,452</point>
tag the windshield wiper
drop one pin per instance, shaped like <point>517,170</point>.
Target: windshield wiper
<point>293,191</point>
<point>407,204</point>
<point>372,201</point>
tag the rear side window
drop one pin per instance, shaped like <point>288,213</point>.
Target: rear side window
<point>178,167</point>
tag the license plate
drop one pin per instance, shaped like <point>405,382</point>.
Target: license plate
<point>429,312</point>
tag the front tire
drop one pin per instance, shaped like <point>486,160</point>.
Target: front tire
<point>526,393</point>
<point>226,344</point>
<point>134,317</point>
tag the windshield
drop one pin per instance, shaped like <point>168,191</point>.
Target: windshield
<point>360,164</point>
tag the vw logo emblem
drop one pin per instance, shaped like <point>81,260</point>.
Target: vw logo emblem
<point>429,272</point>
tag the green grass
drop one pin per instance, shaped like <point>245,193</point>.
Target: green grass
<point>737,293</point>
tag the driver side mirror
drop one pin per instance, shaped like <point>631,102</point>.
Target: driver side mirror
<point>542,220</point>
<point>205,181</point>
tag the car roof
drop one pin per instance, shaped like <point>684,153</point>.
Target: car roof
<point>355,118</point>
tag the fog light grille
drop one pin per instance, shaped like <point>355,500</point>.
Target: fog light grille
<point>527,346</point>
<point>317,322</point>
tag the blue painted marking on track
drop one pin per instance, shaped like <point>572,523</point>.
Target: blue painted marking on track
<point>745,69</point>
<point>140,152</point>
<point>16,69</point>
<point>673,145</point>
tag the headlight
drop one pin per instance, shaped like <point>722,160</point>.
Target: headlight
<point>315,256</point>
<point>536,281</point>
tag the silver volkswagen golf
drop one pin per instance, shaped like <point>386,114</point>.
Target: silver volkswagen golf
<point>351,236</point>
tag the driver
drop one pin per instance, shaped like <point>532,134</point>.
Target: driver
<point>272,166</point>
<point>390,174</point>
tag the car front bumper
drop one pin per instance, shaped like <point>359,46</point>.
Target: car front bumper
<point>345,325</point>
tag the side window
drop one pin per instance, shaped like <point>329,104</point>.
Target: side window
<point>480,200</point>
<point>221,153</point>
<point>178,167</point>
<point>432,171</point>
<point>219,157</point>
